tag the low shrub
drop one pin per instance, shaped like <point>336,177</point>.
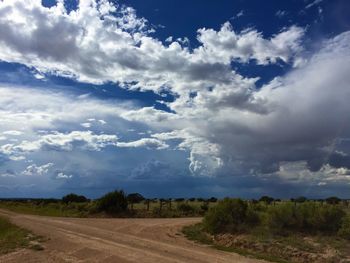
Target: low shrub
<point>205,207</point>
<point>234,215</point>
<point>227,216</point>
<point>185,209</point>
<point>344,230</point>
<point>306,217</point>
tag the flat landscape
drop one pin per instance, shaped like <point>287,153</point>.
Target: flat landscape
<point>114,240</point>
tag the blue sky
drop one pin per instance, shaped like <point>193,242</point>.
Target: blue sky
<point>172,99</point>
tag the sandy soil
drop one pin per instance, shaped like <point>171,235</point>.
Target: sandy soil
<point>114,240</point>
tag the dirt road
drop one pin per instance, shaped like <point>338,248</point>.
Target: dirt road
<point>114,240</point>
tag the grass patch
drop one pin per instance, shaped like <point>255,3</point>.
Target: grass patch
<point>12,237</point>
<point>90,209</point>
<point>196,233</point>
<point>49,209</point>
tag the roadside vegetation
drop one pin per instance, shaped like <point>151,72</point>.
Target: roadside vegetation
<point>13,237</point>
<point>281,231</point>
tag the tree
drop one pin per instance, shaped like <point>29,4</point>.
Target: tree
<point>135,198</point>
<point>213,199</point>
<point>70,198</point>
<point>266,199</point>
<point>113,202</point>
<point>301,199</point>
<point>333,200</point>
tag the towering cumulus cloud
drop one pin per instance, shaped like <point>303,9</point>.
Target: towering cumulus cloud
<point>292,128</point>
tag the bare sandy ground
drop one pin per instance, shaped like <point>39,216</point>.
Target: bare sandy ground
<point>114,240</point>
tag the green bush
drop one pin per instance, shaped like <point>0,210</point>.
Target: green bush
<point>344,230</point>
<point>185,209</point>
<point>253,215</point>
<point>113,203</point>
<point>205,207</point>
<point>227,216</point>
<point>306,217</point>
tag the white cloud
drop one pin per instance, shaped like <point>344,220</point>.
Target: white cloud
<point>14,133</point>
<point>298,171</point>
<point>239,14</point>
<point>65,141</point>
<point>33,169</point>
<point>150,143</point>
<point>313,3</point>
<point>281,13</point>
<point>62,175</point>
<point>226,45</point>
<point>86,124</point>
<point>93,45</point>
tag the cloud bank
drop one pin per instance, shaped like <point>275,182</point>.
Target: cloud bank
<point>218,124</point>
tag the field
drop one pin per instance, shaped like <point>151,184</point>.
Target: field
<point>56,209</point>
<point>152,208</point>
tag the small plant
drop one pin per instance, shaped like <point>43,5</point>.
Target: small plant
<point>344,230</point>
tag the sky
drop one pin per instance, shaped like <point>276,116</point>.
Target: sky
<point>175,98</point>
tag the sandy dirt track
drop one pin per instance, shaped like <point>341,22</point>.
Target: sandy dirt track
<point>114,240</point>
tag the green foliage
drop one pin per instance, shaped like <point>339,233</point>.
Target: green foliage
<point>11,236</point>
<point>234,215</point>
<point>113,203</point>
<point>205,207</point>
<point>227,216</point>
<point>196,233</point>
<point>344,230</point>
<point>306,217</point>
<point>253,215</point>
<point>70,198</point>
<point>185,209</point>
<point>51,209</point>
